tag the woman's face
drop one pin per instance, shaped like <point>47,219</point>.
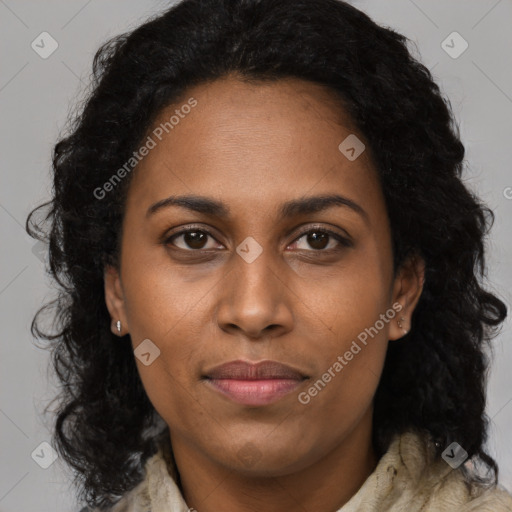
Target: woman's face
<point>249,283</point>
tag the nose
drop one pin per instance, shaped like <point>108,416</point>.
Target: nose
<point>255,299</point>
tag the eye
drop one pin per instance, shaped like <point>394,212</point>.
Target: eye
<point>318,239</point>
<point>191,239</point>
<point>196,239</point>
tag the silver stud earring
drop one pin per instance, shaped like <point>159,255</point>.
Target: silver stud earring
<point>400,325</point>
<point>118,325</point>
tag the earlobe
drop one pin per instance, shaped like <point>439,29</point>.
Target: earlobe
<point>407,289</point>
<point>114,300</point>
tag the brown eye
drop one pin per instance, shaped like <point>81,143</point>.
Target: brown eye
<point>195,239</point>
<point>316,240</point>
<point>319,239</point>
<point>192,239</point>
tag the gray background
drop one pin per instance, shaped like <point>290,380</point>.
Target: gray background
<point>36,96</point>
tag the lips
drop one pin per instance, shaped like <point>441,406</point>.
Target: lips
<point>254,384</point>
<point>242,370</point>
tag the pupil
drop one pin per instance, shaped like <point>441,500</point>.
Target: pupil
<point>195,239</point>
<point>313,239</point>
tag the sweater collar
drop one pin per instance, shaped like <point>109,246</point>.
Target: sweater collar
<point>407,477</point>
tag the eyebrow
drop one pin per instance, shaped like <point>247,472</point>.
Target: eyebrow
<point>295,207</point>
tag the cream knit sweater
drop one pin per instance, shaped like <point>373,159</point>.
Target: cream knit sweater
<point>406,479</point>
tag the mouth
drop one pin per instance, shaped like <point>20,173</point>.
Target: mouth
<point>254,384</point>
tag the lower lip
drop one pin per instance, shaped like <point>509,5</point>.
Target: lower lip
<point>254,392</point>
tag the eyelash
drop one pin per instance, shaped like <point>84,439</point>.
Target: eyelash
<point>344,242</point>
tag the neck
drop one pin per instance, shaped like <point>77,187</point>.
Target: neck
<point>324,485</point>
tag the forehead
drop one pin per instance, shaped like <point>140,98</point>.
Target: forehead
<point>254,145</point>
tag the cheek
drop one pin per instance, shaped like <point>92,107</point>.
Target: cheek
<point>157,297</point>
<point>349,298</point>
<point>169,390</point>
<point>171,320</point>
<point>164,307</point>
<point>344,388</point>
<point>352,315</point>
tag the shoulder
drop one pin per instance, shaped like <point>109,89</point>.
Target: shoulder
<point>462,496</point>
<point>473,497</point>
<point>135,500</point>
<point>443,487</point>
<point>140,497</point>
<point>157,472</point>
<point>412,477</point>
<point>496,499</point>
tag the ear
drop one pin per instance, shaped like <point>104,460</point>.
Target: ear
<point>114,299</point>
<point>407,289</point>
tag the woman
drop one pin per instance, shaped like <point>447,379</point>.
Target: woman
<point>271,272</point>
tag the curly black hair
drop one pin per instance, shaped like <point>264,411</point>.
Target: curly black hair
<point>433,382</point>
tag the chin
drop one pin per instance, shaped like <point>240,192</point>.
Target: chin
<point>254,462</point>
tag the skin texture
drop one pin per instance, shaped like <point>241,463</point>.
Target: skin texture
<point>253,147</point>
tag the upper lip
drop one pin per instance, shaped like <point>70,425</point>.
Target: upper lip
<point>244,370</point>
